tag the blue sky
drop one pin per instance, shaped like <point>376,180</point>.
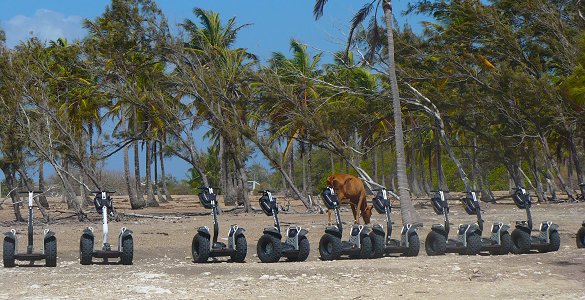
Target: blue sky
<point>273,24</point>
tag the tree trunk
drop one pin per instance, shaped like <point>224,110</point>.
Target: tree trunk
<point>539,190</point>
<point>137,176</point>
<point>157,187</point>
<point>332,161</point>
<point>552,161</point>
<point>309,169</point>
<point>577,164</point>
<point>304,167</point>
<point>135,202</point>
<point>440,174</point>
<point>9,177</point>
<point>163,177</point>
<point>409,214</point>
<point>383,164</point>
<point>42,198</point>
<point>151,201</point>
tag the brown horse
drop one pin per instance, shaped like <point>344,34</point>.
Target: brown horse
<point>349,187</point>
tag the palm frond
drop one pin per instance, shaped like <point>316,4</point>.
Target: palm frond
<point>318,8</point>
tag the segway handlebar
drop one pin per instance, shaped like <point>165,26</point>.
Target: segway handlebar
<point>34,192</point>
<point>264,191</point>
<point>99,192</point>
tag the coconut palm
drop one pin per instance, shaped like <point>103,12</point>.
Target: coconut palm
<point>409,214</point>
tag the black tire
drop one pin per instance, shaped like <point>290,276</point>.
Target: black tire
<point>378,244</point>
<point>435,244</point>
<point>366,247</point>
<point>200,248</point>
<point>581,237</point>
<point>555,241</point>
<point>241,249</point>
<point>413,245</point>
<point>269,249</point>
<point>304,250</point>
<point>50,247</point>
<point>9,248</point>
<point>505,244</point>
<point>473,244</point>
<point>329,247</point>
<point>521,242</point>
<point>127,254</point>
<point>85,250</point>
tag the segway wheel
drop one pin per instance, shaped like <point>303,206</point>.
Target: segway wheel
<point>200,248</point>
<point>413,245</point>
<point>473,245</point>
<point>366,247</point>
<point>581,237</point>
<point>127,254</point>
<point>241,249</point>
<point>85,250</point>
<point>51,252</point>
<point>269,249</point>
<point>435,244</point>
<point>378,244</point>
<point>521,242</point>
<point>304,250</point>
<point>554,241</point>
<point>329,247</point>
<point>505,244</point>
<point>8,252</point>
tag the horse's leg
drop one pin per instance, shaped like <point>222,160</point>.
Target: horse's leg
<point>356,217</point>
<point>329,216</point>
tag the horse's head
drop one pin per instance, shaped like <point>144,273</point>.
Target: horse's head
<point>367,214</point>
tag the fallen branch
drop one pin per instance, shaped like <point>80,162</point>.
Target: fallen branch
<point>148,216</point>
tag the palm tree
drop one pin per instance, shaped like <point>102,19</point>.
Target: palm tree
<point>409,214</point>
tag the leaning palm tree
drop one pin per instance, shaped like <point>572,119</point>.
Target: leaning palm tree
<point>409,214</point>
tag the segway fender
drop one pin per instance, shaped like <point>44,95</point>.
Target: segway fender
<point>124,232</point>
<point>272,231</point>
<point>48,234</point>
<point>409,229</point>
<point>88,232</point>
<point>365,231</point>
<point>473,228</point>
<point>303,232</point>
<point>11,235</point>
<point>439,228</point>
<point>204,231</point>
<point>505,228</point>
<point>239,232</point>
<point>553,227</point>
<point>523,227</point>
<point>377,229</point>
<point>333,231</point>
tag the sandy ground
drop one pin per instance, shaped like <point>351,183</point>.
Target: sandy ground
<point>163,267</point>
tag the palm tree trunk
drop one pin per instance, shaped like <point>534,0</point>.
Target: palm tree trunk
<point>42,198</point>
<point>309,170</point>
<point>149,191</point>
<point>157,187</point>
<point>137,178</point>
<point>163,176</point>
<point>409,214</point>
<point>131,186</point>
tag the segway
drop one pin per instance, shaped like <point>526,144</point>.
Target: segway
<point>468,235</point>
<point>382,243</point>
<point>548,239</point>
<point>331,247</point>
<point>270,248</point>
<point>125,251</point>
<point>500,242</point>
<point>203,246</point>
<point>48,252</point>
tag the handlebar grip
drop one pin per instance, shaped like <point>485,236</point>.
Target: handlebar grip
<point>34,192</point>
<point>376,190</point>
<point>99,192</point>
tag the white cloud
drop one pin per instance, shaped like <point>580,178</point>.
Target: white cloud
<point>44,24</point>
